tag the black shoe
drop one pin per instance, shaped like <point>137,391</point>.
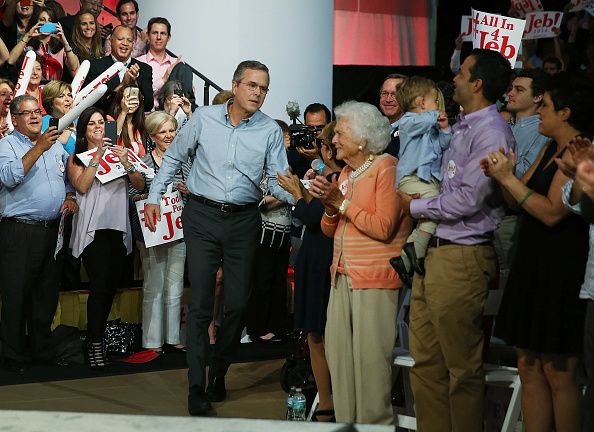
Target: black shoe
<point>398,264</point>
<point>198,404</point>
<point>14,366</point>
<point>416,263</point>
<point>168,348</point>
<point>95,355</point>
<point>216,391</point>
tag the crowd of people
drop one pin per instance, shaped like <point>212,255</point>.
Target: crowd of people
<point>444,189</point>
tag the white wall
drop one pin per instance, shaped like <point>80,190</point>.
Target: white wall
<point>293,38</point>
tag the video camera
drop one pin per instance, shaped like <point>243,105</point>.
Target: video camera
<point>301,135</point>
<point>304,136</point>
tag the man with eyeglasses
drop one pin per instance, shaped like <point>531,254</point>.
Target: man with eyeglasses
<point>34,191</point>
<point>389,107</point>
<point>233,144</point>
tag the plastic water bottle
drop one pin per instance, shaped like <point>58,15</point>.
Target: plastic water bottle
<point>299,406</point>
<point>290,414</point>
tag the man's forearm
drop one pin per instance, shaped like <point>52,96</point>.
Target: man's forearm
<point>30,158</point>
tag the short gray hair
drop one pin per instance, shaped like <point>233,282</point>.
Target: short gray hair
<point>155,120</point>
<point>15,104</point>
<point>248,64</point>
<point>366,123</point>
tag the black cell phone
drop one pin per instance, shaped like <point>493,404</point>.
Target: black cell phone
<point>111,132</point>
<point>54,122</point>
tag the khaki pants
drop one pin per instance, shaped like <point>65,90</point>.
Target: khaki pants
<point>360,336</point>
<point>446,338</point>
<point>412,185</point>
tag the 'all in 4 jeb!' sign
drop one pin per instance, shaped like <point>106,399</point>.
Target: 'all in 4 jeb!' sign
<point>169,228</point>
<point>497,33</point>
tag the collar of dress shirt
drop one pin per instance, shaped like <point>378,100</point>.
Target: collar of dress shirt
<point>167,59</point>
<point>468,120</point>
<point>526,121</point>
<point>251,118</point>
<point>126,63</point>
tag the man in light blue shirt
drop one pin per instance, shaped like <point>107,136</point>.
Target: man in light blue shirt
<point>34,191</point>
<point>234,144</point>
<point>525,97</point>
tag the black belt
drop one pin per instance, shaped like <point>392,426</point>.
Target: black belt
<point>437,242</point>
<point>224,207</point>
<point>41,223</point>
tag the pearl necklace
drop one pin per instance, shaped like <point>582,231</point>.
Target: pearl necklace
<point>362,168</point>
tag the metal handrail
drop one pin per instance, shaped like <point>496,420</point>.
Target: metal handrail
<point>207,82</point>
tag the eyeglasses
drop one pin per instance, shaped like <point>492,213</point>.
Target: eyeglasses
<point>385,94</point>
<point>29,113</point>
<point>253,86</point>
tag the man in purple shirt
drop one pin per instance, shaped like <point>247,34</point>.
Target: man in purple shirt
<point>446,338</point>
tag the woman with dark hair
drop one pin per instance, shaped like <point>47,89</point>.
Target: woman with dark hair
<point>541,313</point>
<point>174,102</point>
<point>312,275</point>
<point>101,232</point>
<point>86,37</point>
<point>53,48</point>
<point>16,18</point>
<point>128,109</point>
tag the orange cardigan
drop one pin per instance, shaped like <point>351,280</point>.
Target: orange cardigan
<point>373,228</point>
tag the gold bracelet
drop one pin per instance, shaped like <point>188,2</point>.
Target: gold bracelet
<point>330,216</point>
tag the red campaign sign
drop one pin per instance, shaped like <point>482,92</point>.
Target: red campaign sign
<point>522,7</point>
<point>169,228</point>
<point>498,33</point>
<point>110,167</point>
<point>541,25</point>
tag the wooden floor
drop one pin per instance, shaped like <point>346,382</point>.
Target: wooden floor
<point>253,392</point>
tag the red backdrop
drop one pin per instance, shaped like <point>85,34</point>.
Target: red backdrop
<point>381,32</point>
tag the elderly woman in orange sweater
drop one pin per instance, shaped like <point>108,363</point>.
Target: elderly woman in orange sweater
<point>363,215</point>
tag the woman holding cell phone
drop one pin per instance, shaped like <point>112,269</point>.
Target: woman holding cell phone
<point>101,230</point>
<point>45,36</point>
<point>128,109</point>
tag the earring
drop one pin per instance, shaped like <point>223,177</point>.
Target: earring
<point>360,148</point>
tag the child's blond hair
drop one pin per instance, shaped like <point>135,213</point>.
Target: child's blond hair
<point>411,89</point>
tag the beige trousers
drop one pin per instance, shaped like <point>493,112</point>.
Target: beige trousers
<point>446,337</point>
<point>360,336</point>
<point>412,185</point>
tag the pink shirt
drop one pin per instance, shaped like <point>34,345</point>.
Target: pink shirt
<point>159,69</point>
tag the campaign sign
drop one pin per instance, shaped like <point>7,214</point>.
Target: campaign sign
<point>110,167</point>
<point>169,228</point>
<point>466,28</point>
<point>590,8</point>
<point>540,25</point>
<point>579,5</point>
<point>522,7</point>
<point>498,33</point>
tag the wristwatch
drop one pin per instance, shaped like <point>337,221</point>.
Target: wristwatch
<point>131,169</point>
<point>343,207</point>
<point>71,197</point>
